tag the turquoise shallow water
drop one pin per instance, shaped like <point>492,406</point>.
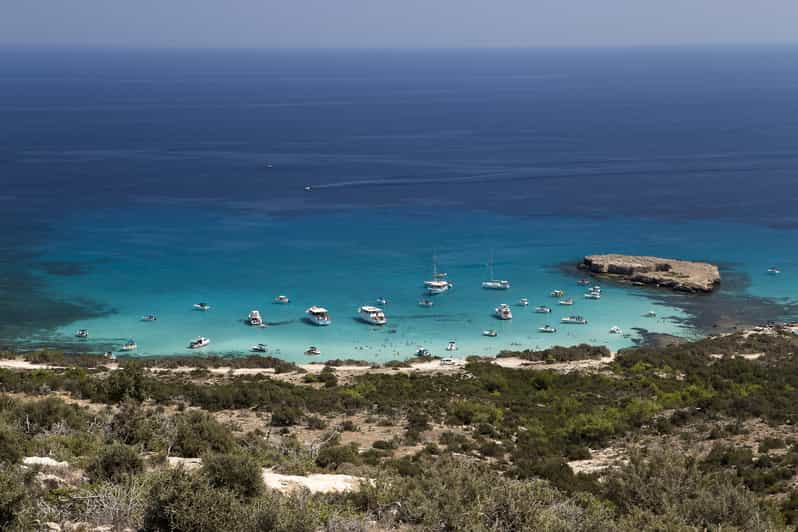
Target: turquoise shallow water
<point>162,262</point>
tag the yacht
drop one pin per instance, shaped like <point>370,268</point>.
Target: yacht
<point>255,319</point>
<point>149,317</point>
<point>438,284</point>
<point>490,332</point>
<point>202,306</point>
<point>593,295</point>
<point>569,301</point>
<point>260,348</point>
<point>583,282</point>
<point>382,301</point>
<point>130,345</point>
<point>82,333</point>
<point>524,302</point>
<point>543,310</point>
<point>451,346</point>
<point>282,299</point>
<point>650,314</point>
<point>422,352</point>
<point>372,315</point>
<point>574,320</point>
<point>198,342</point>
<point>556,293</point>
<point>615,330</point>
<point>547,329</point>
<point>595,288</point>
<point>313,351</point>
<point>503,312</point>
<point>774,271</point>
<point>425,303</point>
<point>318,315</point>
<point>492,283</point>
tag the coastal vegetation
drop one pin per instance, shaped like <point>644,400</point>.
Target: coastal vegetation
<point>690,436</point>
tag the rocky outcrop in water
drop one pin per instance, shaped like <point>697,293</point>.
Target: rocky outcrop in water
<point>680,275</point>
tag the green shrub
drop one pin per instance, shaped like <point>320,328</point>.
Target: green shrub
<point>115,462</point>
<point>198,433</point>
<point>13,494</point>
<point>331,456</point>
<point>235,472</point>
<point>285,416</point>
<point>10,445</point>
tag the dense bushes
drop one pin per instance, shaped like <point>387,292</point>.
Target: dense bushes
<point>559,353</point>
<point>237,473</point>
<point>115,462</point>
<point>198,433</point>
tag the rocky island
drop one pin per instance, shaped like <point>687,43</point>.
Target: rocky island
<point>679,275</point>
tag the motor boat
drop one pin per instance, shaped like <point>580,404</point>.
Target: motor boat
<point>313,351</point>
<point>130,345</point>
<point>422,352</point>
<point>308,188</point>
<point>523,302</point>
<point>255,319</point>
<point>318,315</point>
<point>574,320</point>
<point>569,301</point>
<point>503,312</point>
<point>595,288</point>
<point>543,310</point>
<point>592,295</point>
<point>260,348</point>
<point>198,342</point>
<point>492,283</point>
<point>451,346</point>
<point>109,356</point>
<point>149,317</point>
<point>774,271</point>
<point>490,332</point>
<point>425,303</point>
<point>650,314</point>
<point>82,333</point>
<point>438,284</point>
<point>372,315</point>
<point>615,330</point>
<point>547,329</point>
<point>583,282</point>
<point>557,293</point>
<point>448,362</point>
<point>382,301</point>
<point>282,299</point>
<point>202,306</point>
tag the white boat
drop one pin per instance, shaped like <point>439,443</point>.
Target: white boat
<point>650,314</point>
<point>595,288</point>
<point>774,271</point>
<point>557,293</point>
<point>547,329</point>
<point>543,310</point>
<point>318,315</point>
<point>448,362</point>
<point>503,312</point>
<point>255,319</point>
<point>130,345</point>
<point>149,317</point>
<point>82,333</point>
<point>372,315</point>
<point>382,301</point>
<point>260,348</point>
<point>615,330</point>
<point>308,188</point>
<point>425,303</point>
<point>422,352</point>
<point>583,282</point>
<point>490,332</point>
<point>313,351</point>
<point>109,356</point>
<point>524,302</point>
<point>592,295</point>
<point>569,301</point>
<point>198,342</point>
<point>574,320</point>
<point>492,283</point>
<point>451,346</point>
<point>438,284</point>
<point>282,299</point>
<point>202,306</point>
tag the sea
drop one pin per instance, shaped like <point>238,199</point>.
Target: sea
<point>136,182</point>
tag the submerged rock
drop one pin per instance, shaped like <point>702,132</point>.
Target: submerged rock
<point>680,275</point>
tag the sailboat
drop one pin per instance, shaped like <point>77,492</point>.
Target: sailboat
<point>493,283</point>
<point>438,284</point>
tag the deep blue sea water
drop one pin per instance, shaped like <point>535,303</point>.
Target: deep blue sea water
<point>138,182</point>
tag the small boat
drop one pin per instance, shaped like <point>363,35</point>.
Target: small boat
<point>82,333</point>
<point>556,293</point>
<point>260,348</point>
<point>313,351</point>
<point>592,295</point>
<point>492,283</point>
<point>422,352</point>
<point>308,188</point>
<point>130,345</point>
<point>282,299</point>
<point>774,271</point>
<point>202,306</point>
<point>198,342</point>
<point>650,314</point>
<point>583,282</point>
<point>543,310</point>
<point>547,329</point>
<point>255,319</point>
<point>318,315</point>
<point>149,317</point>
<point>503,312</point>
<point>438,284</point>
<point>372,315</point>
<point>569,301</point>
<point>425,303</point>
<point>524,302</point>
<point>490,332</point>
<point>451,346</point>
<point>615,330</point>
<point>595,288</point>
<point>109,356</point>
<point>382,301</point>
<point>448,362</point>
<point>574,320</point>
